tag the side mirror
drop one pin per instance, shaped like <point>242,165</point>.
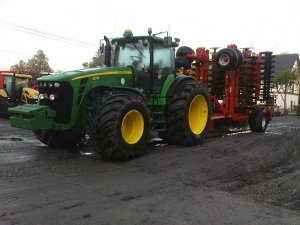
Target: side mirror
<point>167,41</point>
<point>101,48</point>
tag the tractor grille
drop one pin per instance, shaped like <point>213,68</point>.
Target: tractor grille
<point>62,102</point>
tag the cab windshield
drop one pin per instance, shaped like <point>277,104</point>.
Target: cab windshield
<point>20,82</point>
<point>132,54</point>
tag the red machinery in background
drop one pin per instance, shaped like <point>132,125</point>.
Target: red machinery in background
<point>239,83</point>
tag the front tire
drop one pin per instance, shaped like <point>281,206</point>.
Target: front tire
<point>188,114</point>
<point>119,125</point>
<point>60,139</point>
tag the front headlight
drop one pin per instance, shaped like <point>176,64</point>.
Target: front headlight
<point>56,84</point>
<point>52,97</point>
<point>41,96</point>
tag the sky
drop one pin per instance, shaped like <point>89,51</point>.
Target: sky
<point>264,25</point>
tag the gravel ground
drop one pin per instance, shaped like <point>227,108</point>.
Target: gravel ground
<point>241,178</point>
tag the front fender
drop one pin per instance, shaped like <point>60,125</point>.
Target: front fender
<point>30,93</point>
<point>133,90</point>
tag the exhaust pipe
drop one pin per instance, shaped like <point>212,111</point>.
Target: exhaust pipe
<point>107,52</point>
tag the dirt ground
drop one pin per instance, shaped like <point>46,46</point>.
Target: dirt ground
<point>242,178</point>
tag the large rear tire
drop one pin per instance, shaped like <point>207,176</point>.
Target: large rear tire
<point>60,139</point>
<point>188,114</point>
<point>119,125</point>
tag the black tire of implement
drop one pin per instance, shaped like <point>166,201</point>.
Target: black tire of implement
<point>60,139</point>
<point>183,50</point>
<point>235,58</point>
<point>182,62</point>
<point>105,122</point>
<point>240,57</point>
<point>255,121</point>
<point>178,129</point>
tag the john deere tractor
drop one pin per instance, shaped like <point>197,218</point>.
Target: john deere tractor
<point>15,90</point>
<point>118,105</point>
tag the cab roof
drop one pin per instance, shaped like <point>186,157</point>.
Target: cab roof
<point>137,38</point>
<point>16,75</point>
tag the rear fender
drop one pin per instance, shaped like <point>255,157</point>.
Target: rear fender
<point>179,79</point>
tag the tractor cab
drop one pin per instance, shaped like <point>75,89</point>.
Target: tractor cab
<point>14,90</point>
<point>151,59</point>
<point>12,84</point>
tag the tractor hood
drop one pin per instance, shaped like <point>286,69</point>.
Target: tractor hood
<point>86,73</point>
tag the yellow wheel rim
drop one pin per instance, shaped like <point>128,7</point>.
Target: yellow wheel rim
<point>198,114</point>
<point>132,127</point>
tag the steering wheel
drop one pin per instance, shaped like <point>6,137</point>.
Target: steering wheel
<point>136,58</point>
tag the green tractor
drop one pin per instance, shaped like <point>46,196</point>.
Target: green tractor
<point>118,105</point>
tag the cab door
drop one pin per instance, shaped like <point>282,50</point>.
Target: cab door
<point>163,65</point>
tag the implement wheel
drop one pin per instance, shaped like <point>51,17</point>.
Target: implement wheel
<point>60,139</point>
<point>229,59</point>
<point>188,114</point>
<point>119,125</point>
<point>258,120</point>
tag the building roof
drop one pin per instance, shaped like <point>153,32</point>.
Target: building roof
<point>286,61</point>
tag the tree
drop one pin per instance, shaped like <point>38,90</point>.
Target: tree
<point>36,65</point>
<point>39,63</point>
<point>85,65</point>
<point>21,66</point>
<point>284,83</point>
<point>97,60</point>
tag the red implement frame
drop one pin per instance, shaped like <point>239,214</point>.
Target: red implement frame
<point>240,88</point>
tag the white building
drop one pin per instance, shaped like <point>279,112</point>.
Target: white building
<point>287,61</point>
